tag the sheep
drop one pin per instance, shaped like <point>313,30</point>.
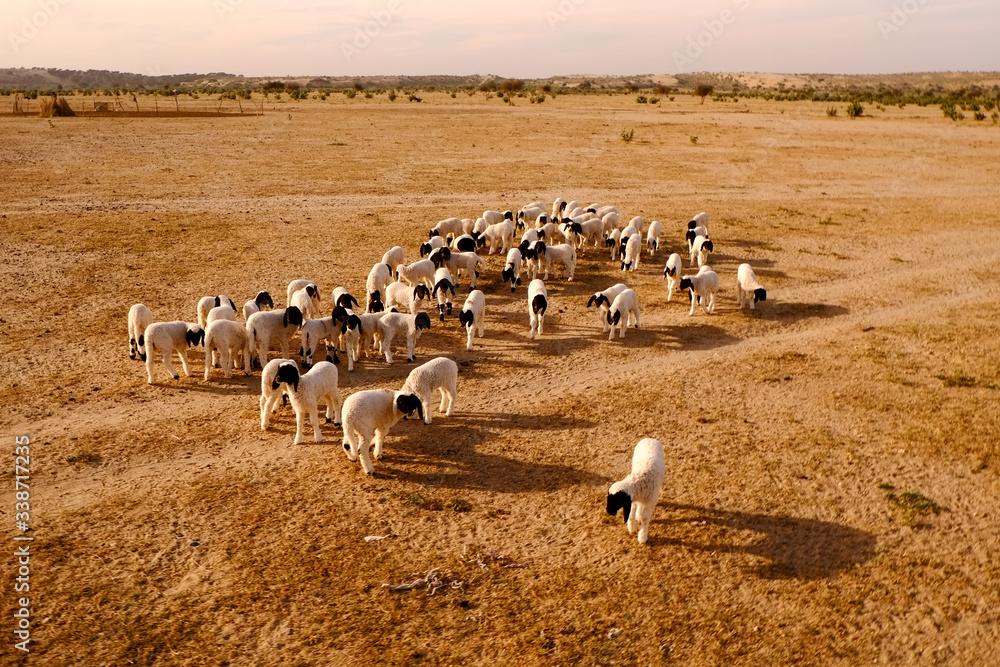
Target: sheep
<point>307,391</point>
<point>604,211</point>
<point>692,234</point>
<point>672,272</point>
<point>614,242</point>
<point>571,230</point>
<point>637,222</point>
<point>496,217</point>
<point>440,373</point>
<point>746,284</point>
<point>700,249</point>
<point>394,256</point>
<point>700,220</point>
<point>563,253</point>
<point>511,274</point>
<point>421,271</point>
<point>703,286</point>
<point>530,259</point>
<point>653,237</point>
<point>550,233</point>
<point>367,417</point>
<point>296,285</point>
<point>624,310</point>
<point>378,278</point>
<point>479,227</point>
<point>439,256</point>
<point>367,324</point>
<point>230,339</point>
<point>471,316</point>
<point>271,390</point>
<point>530,215</point>
<point>262,301</point>
<point>447,227</point>
<point>500,234</point>
<point>341,297</point>
<point>558,206</point>
<point>591,229</point>
<point>402,296</point>
<point>530,236</point>
<point>444,290</point>
<point>603,302</point>
<point>207,303</point>
<point>139,317</point>
<point>468,224</point>
<point>538,303</point>
<point>264,326</point>
<point>352,332</point>
<point>313,331</point>
<point>639,492</point>
<point>610,221</point>
<point>466,263</point>
<point>307,301</point>
<point>223,312</point>
<point>392,324</point>
<point>632,253</point>
<point>468,242</point>
<point>164,337</point>
<point>428,247</point>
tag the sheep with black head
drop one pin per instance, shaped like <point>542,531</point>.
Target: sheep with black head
<point>637,494</point>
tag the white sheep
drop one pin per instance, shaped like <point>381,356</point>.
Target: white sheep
<point>230,339</point>
<point>610,220</point>
<point>419,272</point>
<point>700,249</point>
<point>511,274</point>
<point>366,336</point>
<point>530,236</point>
<point>444,290</point>
<point>468,242</point>
<point>653,237</point>
<point>500,234</point>
<point>271,390</point>
<point>392,324</point>
<point>700,220</point>
<point>553,255</point>
<point>639,492</point>
<point>306,391</point>
<point>496,217</point>
<point>592,229</point>
<point>746,284</point>
<point>558,206</point>
<point>672,272</point>
<point>538,303</point>
<point>434,243</point>
<point>367,417</point>
<point>223,312</point>
<point>262,301</point>
<point>638,223</point>
<point>401,296</point>
<point>265,325</point>
<point>139,317</point>
<point>603,302</point>
<point>466,264</point>
<point>624,311</point>
<point>341,297</point>
<point>207,303</point>
<point>296,285</point>
<point>162,338</point>
<point>471,316</point>
<point>394,256</point>
<point>528,216</point>
<point>692,234</point>
<point>703,286</point>
<point>614,242</point>
<point>549,232</point>
<point>307,301</point>
<point>440,373</point>
<point>312,332</point>
<point>633,251</point>
<point>447,227</point>
<point>468,224</point>
<point>378,278</point>
<point>439,256</point>
<point>479,227</point>
<point>352,332</point>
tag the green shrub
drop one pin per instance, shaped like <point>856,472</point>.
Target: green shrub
<point>855,109</point>
<point>641,99</point>
<point>831,112</point>
<point>627,135</point>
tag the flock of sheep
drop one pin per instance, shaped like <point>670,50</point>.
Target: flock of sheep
<point>397,294</point>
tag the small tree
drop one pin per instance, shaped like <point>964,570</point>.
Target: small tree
<point>704,90</point>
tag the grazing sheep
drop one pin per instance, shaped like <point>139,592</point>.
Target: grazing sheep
<point>496,217</point>
<point>530,215</point>
<point>624,310</point>
<point>571,230</point>
<point>164,337</point>
<point>439,256</point>
<point>432,245</point>
<point>230,339</point>
<point>479,227</point>
<point>700,220</point>
<point>207,303</point>
<point>394,256</point>
<point>402,296</point>
<point>262,301</point>
<point>223,312</point>
<point>550,233</point>
<point>610,220</point>
<point>564,254</point>
<point>632,253</point>
<point>700,249</point>
<point>271,390</point>
<point>592,229</point>
<point>468,224</point>
<point>444,290</point>
<point>653,237</point>
<point>614,242</point>
<point>296,285</point>
<point>639,492</point>
<point>421,271</point>
<point>638,223</point>
<point>703,286</point>
<point>352,332</point>
<point>603,302</point>
<point>471,316</point>
<point>392,324</point>
<point>139,317</point>
<point>500,234</point>
<point>538,303</point>
<point>530,236</point>
<point>672,272</point>
<point>447,227</point>
<point>366,336</point>
<point>692,234</point>
<point>378,278</point>
<point>367,417</point>
<point>511,274</point>
<point>307,301</point>
<point>558,206</point>
<point>341,297</point>
<point>466,264</point>
<point>746,284</point>
<point>307,391</point>
<point>313,331</point>
<point>264,326</point>
<point>468,242</point>
<point>440,373</point>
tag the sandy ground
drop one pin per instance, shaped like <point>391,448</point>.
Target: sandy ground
<point>170,530</point>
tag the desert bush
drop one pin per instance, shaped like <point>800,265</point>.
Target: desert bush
<point>995,117</point>
<point>392,96</point>
<point>350,93</point>
<point>855,109</point>
<point>654,100</point>
<point>831,111</point>
<point>627,135</point>
<point>979,115</point>
<point>694,139</point>
<point>413,98</point>
<point>704,90</point>
<point>951,111</point>
<point>369,95</point>
<point>511,86</point>
<point>957,379</point>
<point>641,99</point>
<point>274,85</point>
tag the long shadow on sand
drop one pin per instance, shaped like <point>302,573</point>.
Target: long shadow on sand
<point>795,312</point>
<point>790,548</point>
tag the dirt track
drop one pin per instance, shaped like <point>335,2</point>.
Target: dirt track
<point>182,534</point>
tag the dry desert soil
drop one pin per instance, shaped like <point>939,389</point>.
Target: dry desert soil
<point>831,494</point>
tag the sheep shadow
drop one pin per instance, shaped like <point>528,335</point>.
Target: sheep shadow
<point>699,336</point>
<point>797,311</point>
<point>789,547</point>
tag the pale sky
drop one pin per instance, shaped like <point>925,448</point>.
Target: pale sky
<point>509,38</point>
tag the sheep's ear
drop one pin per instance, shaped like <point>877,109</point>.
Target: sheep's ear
<point>759,294</point>
<point>591,301</point>
<point>217,302</point>
<point>620,501</point>
<point>618,316</point>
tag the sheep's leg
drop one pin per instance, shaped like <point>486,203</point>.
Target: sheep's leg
<point>541,324</point>
<point>149,364</point>
<point>184,362</point>
<point>468,344</point>
<point>262,346</point>
<point>645,517</point>
<point>300,423</point>
<point>377,441</point>
<point>633,519</point>
<point>265,411</point>
<point>451,400</point>
<point>410,344</point>
<point>624,325</point>
<point>314,418</point>
<point>168,363</point>
<point>711,302</point>
<point>693,302</point>
<point>227,361</point>
<point>208,366</point>
<point>334,404</point>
